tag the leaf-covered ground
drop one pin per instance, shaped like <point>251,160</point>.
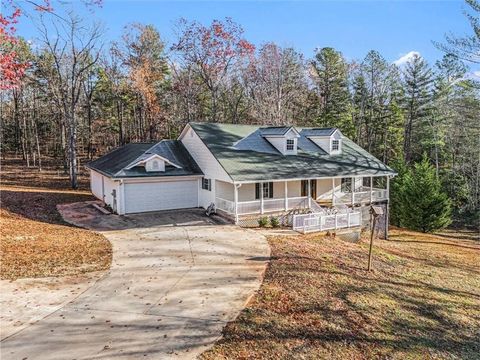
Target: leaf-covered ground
<point>422,301</point>
<point>35,242</point>
<point>52,176</point>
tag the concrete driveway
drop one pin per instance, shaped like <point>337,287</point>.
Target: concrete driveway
<point>176,280</point>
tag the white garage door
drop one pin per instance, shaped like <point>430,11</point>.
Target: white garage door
<point>165,195</point>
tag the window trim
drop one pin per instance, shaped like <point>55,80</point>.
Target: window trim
<point>337,143</point>
<point>288,143</point>
<point>206,184</point>
<point>267,187</point>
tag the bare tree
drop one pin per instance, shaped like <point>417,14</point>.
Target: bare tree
<point>72,48</point>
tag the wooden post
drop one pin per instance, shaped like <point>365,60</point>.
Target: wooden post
<point>375,212</point>
<point>286,195</point>
<point>387,209</point>
<point>371,243</point>
<point>371,189</point>
<point>261,198</point>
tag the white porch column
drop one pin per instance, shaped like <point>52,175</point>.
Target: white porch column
<point>333,191</point>
<point>235,200</point>
<point>309,194</point>
<point>261,198</point>
<point>371,189</point>
<point>388,187</point>
<point>286,195</point>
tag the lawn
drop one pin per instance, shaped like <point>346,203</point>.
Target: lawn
<point>35,241</point>
<point>317,301</point>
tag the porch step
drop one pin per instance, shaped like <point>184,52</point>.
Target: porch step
<point>327,203</point>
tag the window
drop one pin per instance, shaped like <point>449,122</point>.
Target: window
<point>207,184</point>
<point>267,190</point>
<point>335,145</point>
<point>155,165</point>
<point>346,186</point>
<point>290,145</point>
<point>366,182</point>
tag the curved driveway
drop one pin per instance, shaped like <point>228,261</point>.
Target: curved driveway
<point>176,280</point>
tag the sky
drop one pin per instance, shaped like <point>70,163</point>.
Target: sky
<point>395,28</point>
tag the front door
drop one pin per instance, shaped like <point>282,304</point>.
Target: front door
<point>313,188</point>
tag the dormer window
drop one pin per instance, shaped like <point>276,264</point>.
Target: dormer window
<point>328,139</point>
<point>155,165</point>
<point>290,145</point>
<point>283,138</point>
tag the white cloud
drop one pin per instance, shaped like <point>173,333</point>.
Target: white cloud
<point>405,58</point>
<point>474,75</point>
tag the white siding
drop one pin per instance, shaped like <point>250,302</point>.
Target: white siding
<point>109,186</point>
<point>325,142</point>
<point>246,192</point>
<point>224,190</point>
<point>294,189</point>
<point>203,157</point>
<point>161,195</point>
<point>324,189</point>
<point>206,197</point>
<point>102,188</point>
<point>96,184</point>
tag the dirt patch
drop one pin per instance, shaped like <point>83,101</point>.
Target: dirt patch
<point>318,301</point>
<point>36,242</point>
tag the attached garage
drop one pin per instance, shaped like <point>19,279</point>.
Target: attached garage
<point>140,177</point>
<point>162,195</point>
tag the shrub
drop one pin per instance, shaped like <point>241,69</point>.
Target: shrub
<point>424,206</point>
<point>263,221</point>
<point>274,222</point>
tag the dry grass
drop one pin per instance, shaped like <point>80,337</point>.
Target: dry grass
<point>35,242</point>
<point>422,301</point>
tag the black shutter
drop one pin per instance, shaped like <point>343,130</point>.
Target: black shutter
<point>257,191</point>
<point>271,190</point>
<point>209,184</point>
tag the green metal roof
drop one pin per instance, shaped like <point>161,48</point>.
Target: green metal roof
<point>247,156</point>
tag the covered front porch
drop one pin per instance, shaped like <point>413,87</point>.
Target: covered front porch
<point>282,196</point>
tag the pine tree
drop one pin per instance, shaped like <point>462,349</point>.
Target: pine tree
<point>424,206</point>
<point>397,190</point>
<point>330,75</point>
<point>418,80</point>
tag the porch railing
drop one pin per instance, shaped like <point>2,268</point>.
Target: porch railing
<point>254,207</point>
<point>362,196</point>
<point>321,221</point>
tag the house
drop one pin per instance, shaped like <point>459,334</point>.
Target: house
<point>246,171</point>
